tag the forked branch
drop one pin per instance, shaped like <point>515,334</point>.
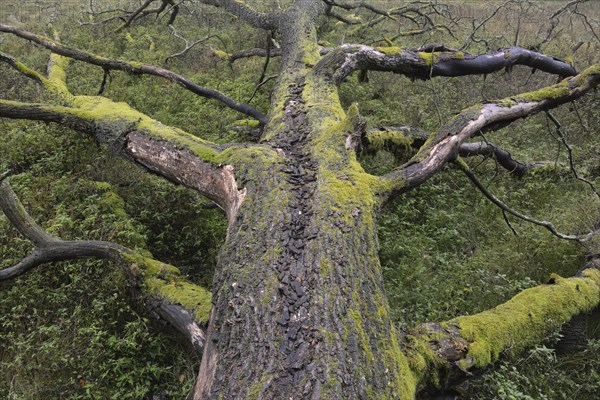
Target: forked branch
<point>159,287</point>
<point>444,145</point>
<point>399,139</point>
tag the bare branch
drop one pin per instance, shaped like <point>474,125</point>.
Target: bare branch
<point>554,20</point>
<point>503,157</point>
<point>427,62</point>
<point>135,68</point>
<point>188,46</point>
<point>135,14</point>
<point>548,225</point>
<point>172,305</point>
<point>570,153</point>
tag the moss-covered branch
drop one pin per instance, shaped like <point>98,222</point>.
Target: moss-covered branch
<point>159,287</point>
<point>55,83</point>
<point>455,348</point>
<point>167,151</point>
<point>134,68</point>
<point>443,146</point>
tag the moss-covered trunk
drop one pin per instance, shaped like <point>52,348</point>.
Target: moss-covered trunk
<point>299,309</point>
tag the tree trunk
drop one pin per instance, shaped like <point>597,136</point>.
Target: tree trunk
<point>299,309</point>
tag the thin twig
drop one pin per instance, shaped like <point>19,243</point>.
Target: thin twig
<point>548,225</point>
<point>560,134</point>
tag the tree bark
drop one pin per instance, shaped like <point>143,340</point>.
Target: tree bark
<point>299,308</point>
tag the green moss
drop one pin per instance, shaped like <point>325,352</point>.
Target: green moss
<point>528,317</point>
<point>221,54</point>
<point>251,123</point>
<point>507,54</point>
<point>429,58</point>
<point>24,69</point>
<point>256,387</point>
<point>390,51</point>
<point>583,77</point>
<point>569,59</point>
<point>379,138</point>
<point>548,93</point>
<point>165,281</point>
<point>101,109</point>
<point>506,102</point>
<point>362,335</point>
<point>325,268</point>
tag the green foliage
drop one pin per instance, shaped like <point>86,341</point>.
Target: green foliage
<point>68,330</point>
<point>543,375</point>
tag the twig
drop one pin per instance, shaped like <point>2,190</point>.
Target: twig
<point>548,225</point>
<point>570,153</point>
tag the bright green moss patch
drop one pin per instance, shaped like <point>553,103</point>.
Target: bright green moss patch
<point>569,59</point>
<point>101,109</point>
<point>548,93</point>
<point>527,318</point>
<point>390,51</point>
<point>379,138</point>
<point>429,58</point>
<point>251,123</point>
<point>593,70</point>
<point>165,281</point>
<point>221,54</point>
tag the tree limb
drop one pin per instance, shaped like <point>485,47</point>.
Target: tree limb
<point>167,151</point>
<point>424,63</point>
<point>267,21</point>
<point>454,349</point>
<point>55,83</point>
<point>134,68</point>
<point>443,146</point>
<point>502,157</point>
<point>397,139</point>
<point>159,287</point>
